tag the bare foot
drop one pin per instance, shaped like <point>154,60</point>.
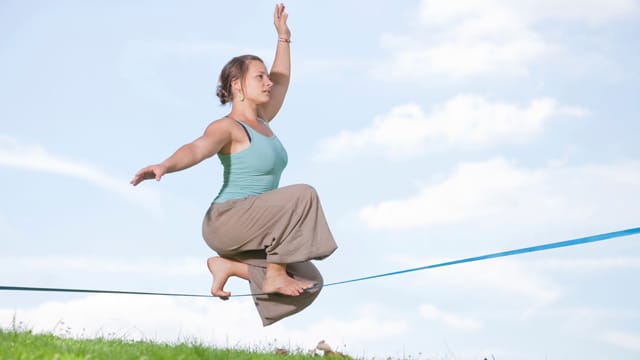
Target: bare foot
<point>221,269</point>
<point>276,280</point>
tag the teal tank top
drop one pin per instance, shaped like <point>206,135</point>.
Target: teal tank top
<point>254,170</point>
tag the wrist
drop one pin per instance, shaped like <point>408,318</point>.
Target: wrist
<point>284,39</point>
<point>165,166</point>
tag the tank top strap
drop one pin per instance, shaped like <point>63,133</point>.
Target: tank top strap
<point>245,129</point>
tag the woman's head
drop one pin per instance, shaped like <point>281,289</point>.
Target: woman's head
<point>234,71</point>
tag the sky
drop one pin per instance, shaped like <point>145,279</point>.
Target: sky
<point>432,130</point>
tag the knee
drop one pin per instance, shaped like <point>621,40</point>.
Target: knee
<point>306,191</point>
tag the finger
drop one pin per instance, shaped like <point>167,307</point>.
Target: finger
<point>280,10</point>
<point>136,179</point>
<point>143,172</point>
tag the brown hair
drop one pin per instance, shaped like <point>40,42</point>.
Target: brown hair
<point>235,69</point>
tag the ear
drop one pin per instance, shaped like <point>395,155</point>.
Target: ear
<point>236,84</point>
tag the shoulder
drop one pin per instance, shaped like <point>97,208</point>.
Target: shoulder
<point>226,129</point>
<point>219,130</point>
<point>222,124</point>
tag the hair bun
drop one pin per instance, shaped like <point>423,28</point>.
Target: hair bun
<point>222,95</point>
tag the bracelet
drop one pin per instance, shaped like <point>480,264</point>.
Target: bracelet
<point>284,40</point>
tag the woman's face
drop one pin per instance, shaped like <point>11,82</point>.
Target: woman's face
<point>257,86</point>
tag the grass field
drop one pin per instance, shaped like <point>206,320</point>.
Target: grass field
<point>25,345</point>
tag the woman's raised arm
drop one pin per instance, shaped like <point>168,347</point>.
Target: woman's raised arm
<point>281,69</point>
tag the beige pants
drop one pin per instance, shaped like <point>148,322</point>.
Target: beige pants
<point>286,226</point>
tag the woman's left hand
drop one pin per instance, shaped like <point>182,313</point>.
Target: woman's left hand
<point>280,21</point>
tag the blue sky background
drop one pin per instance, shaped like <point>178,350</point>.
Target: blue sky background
<point>433,130</point>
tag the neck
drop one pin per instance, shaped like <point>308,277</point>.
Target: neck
<point>244,111</point>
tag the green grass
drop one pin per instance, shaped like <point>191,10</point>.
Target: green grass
<point>25,345</point>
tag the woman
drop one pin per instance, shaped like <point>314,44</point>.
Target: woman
<point>264,234</point>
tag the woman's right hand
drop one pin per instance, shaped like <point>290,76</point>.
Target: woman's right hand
<point>149,172</point>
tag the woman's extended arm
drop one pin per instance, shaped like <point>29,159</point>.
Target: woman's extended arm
<point>214,138</point>
<point>281,68</point>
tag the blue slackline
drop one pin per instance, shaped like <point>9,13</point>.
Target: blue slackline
<point>555,245</point>
<point>579,241</point>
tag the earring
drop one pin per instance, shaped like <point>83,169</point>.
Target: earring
<point>241,95</point>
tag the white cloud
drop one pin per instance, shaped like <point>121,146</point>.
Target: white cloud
<point>232,323</point>
<point>367,326</point>
<point>460,57</point>
<point>588,264</point>
<point>155,318</point>
<point>463,120</point>
<point>625,340</point>
<point>591,319</point>
<point>162,267</point>
<point>501,192</point>
<point>431,312</point>
<point>437,13</point>
<point>507,276</point>
<point>473,190</point>
<point>35,158</point>
<point>463,38</point>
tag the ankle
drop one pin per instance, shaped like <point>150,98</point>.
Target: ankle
<point>276,268</point>
<point>240,270</point>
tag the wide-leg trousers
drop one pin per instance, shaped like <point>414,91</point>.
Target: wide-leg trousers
<point>285,226</point>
